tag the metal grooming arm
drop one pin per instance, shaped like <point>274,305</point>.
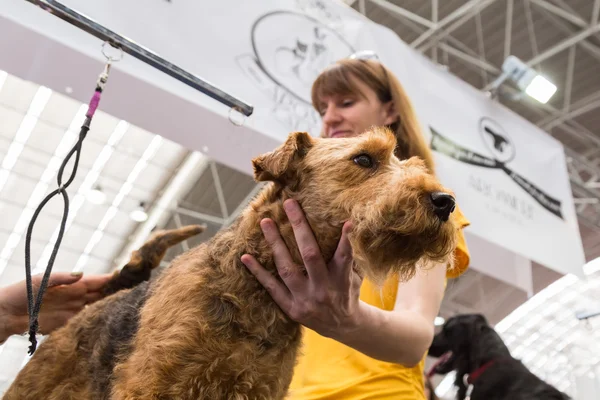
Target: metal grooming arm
<point>145,55</point>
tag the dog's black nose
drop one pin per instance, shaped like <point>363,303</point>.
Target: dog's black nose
<point>443,205</point>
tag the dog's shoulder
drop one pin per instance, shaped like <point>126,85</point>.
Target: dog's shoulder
<point>121,323</point>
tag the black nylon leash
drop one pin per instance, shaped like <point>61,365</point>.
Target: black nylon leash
<point>35,306</point>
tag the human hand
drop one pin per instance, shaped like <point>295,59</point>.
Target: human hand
<point>326,299</point>
<point>66,295</point>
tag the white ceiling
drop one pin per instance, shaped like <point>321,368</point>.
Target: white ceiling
<point>37,129</point>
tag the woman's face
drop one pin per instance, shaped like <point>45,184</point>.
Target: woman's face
<point>351,115</point>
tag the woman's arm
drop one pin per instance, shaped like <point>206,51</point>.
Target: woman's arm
<point>326,300</point>
<point>67,294</point>
<point>401,336</point>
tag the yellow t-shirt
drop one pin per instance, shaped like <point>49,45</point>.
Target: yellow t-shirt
<point>328,370</point>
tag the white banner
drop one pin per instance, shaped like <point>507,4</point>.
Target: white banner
<point>510,177</point>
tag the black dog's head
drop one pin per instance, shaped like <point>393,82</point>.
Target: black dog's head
<point>458,343</point>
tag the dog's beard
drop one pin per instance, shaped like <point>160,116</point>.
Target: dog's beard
<point>382,252</point>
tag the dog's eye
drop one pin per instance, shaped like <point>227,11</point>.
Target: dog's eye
<point>364,160</point>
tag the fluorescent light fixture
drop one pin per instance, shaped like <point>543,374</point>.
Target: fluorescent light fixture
<point>526,78</point>
<point>541,89</point>
<point>439,321</point>
<point>139,214</point>
<point>96,195</point>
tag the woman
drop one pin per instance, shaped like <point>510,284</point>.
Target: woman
<point>360,341</point>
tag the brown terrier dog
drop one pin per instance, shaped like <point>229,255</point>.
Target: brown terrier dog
<point>206,329</point>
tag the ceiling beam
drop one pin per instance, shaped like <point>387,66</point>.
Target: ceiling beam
<point>508,27</point>
<point>476,61</point>
<point>404,13</point>
<point>564,45</point>
<point>572,18</point>
<point>441,34</point>
<point>569,79</point>
<point>362,7</point>
<point>580,107</point>
<point>595,12</point>
<point>468,9</point>
<point>585,44</point>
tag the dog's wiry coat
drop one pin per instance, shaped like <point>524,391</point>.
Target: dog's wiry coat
<point>206,329</point>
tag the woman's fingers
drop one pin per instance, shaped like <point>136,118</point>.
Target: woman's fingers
<point>278,291</point>
<point>307,244</point>
<point>58,278</point>
<point>288,271</point>
<point>341,264</point>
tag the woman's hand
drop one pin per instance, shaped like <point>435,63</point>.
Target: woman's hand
<point>326,299</point>
<point>67,294</point>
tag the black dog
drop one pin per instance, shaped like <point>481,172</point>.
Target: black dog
<point>485,370</point>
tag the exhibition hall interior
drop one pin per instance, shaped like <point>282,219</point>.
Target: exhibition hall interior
<point>146,145</point>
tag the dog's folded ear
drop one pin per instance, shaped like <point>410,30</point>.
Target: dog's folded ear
<point>281,162</point>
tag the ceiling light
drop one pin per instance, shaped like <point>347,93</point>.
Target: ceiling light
<point>96,195</point>
<point>439,321</point>
<point>526,78</point>
<point>139,214</point>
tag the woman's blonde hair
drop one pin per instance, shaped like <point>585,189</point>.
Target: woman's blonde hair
<point>336,81</point>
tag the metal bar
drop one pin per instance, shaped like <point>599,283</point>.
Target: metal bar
<point>561,13</point>
<point>403,12</point>
<point>434,19</point>
<point>459,22</point>
<point>530,29</point>
<point>466,8</point>
<point>595,12</point>
<point>480,46</point>
<point>446,58</point>
<point>586,200</point>
<point>565,6</point>
<point>141,53</point>
<point>564,44</point>
<point>219,190</point>
<point>576,111</point>
<point>468,58</point>
<point>569,79</point>
<point>508,28</point>
<point>580,132</point>
<point>362,7</point>
<point>586,45</point>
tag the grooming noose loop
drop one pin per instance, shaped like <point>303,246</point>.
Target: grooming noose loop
<point>34,307</point>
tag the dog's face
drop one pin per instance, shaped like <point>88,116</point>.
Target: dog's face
<point>455,339</point>
<point>401,214</point>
